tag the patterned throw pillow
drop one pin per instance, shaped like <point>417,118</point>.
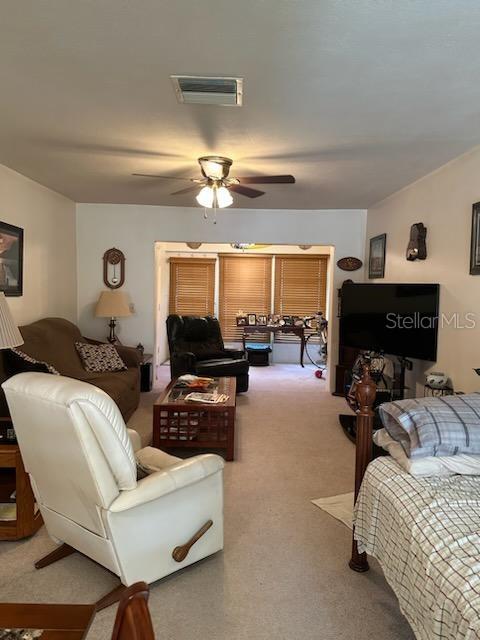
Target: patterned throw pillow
<point>20,362</point>
<point>99,358</point>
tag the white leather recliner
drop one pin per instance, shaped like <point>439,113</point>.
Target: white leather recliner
<point>82,467</point>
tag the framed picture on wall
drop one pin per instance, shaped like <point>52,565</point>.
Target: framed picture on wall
<point>475,241</point>
<point>376,260</point>
<point>11,259</point>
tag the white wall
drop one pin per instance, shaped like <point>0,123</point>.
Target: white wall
<point>135,228</point>
<point>443,202</point>
<point>49,266</point>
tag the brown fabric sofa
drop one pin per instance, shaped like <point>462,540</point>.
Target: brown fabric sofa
<point>53,340</point>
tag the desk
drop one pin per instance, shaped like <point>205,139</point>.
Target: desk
<point>284,328</point>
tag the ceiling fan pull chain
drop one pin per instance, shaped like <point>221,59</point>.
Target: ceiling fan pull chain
<point>215,203</point>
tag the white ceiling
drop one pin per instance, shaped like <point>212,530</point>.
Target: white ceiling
<point>356,98</point>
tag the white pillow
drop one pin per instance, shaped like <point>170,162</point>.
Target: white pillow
<point>462,464</point>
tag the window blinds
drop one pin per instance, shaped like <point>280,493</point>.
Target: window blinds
<point>192,286</point>
<point>300,287</point>
<point>246,284</point>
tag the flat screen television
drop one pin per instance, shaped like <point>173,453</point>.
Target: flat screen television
<point>397,319</point>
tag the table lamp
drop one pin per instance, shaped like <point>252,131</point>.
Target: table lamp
<point>113,304</point>
<point>10,336</point>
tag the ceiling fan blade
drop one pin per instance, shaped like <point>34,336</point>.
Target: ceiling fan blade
<point>152,175</point>
<point>285,179</point>
<point>193,187</point>
<point>246,191</point>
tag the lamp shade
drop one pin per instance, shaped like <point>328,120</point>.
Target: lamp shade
<point>113,304</point>
<point>215,196</point>
<point>205,197</point>
<point>224,197</point>
<point>10,336</point>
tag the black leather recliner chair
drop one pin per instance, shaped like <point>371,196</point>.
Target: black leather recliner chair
<point>196,346</point>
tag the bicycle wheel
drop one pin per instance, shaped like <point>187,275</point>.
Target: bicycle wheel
<point>316,351</point>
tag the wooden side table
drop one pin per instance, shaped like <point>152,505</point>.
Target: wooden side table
<point>437,392</point>
<point>146,372</point>
<point>67,621</point>
<point>14,478</point>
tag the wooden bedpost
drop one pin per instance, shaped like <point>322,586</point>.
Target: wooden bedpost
<point>365,393</point>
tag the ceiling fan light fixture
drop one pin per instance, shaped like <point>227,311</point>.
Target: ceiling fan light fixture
<point>205,197</point>
<point>215,167</point>
<point>224,197</point>
<point>213,170</point>
<point>213,196</point>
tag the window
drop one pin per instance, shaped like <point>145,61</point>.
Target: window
<point>192,286</point>
<point>246,284</point>
<point>300,287</point>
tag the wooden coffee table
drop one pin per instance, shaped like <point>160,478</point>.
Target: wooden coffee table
<point>178,423</point>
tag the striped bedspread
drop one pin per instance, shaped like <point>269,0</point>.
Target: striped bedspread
<point>425,533</point>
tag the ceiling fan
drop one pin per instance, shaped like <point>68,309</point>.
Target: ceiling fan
<point>216,183</point>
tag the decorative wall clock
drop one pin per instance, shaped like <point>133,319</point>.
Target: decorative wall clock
<point>349,264</point>
<point>113,268</point>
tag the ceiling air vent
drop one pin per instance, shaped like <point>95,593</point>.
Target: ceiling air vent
<point>223,92</point>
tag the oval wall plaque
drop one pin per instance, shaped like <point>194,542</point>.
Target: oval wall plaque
<point>349,264</point>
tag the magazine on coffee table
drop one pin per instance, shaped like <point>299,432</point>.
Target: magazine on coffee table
<point>206,398</point>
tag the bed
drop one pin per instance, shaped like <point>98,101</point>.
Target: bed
<point>425,534</point>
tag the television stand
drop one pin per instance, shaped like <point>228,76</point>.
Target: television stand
<point>388,389</point>
<point>348,423</point>
<point>405,364</point>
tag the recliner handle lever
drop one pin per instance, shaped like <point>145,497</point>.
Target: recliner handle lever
<point>180,553</point>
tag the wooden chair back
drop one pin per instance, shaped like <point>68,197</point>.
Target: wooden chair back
<point>133,621</point>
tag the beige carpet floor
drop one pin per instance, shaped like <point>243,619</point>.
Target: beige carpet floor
<point>283,574</point>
